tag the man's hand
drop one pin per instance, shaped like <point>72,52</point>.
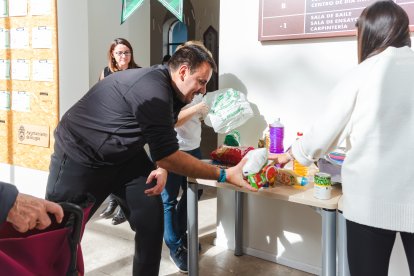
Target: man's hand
<point>234,175</point>
<point>160,175</point>
<point>30,212</point>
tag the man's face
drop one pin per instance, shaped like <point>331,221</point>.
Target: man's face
<point>190,85</point>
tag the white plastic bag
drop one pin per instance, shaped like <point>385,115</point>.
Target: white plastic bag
<point>228,110</point>
<point>256,159</point>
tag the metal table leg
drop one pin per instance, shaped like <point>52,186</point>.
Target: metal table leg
<point>238,228</point>
<point>343,268</point>
<point>192,228</point>
<point>328,242</point>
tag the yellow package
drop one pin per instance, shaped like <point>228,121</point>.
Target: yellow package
<point>288,177</point>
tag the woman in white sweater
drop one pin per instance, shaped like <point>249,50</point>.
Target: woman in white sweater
<point>372,108</point>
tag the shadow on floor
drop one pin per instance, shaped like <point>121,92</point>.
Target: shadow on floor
<point>108,250</point>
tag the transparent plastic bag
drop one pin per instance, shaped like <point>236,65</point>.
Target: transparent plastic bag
<point>228,109</point>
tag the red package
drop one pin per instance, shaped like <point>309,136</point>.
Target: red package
<point>229,155</point>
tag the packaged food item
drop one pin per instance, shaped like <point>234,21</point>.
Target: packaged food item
<point>256,159</point>
<point>298,168</point>
<point>270,172</point>
<point>322,188</point>
<point>322,179</point>
<point>256,180</point>
<point>261,143</point>
<point>232,139</point>
<point>290,178</point>
<point>229,155</point>
<point>264,178</point>
<point>285,177</point>
<point>265,140</point>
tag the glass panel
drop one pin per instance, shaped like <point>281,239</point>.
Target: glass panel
<point>178,35</point>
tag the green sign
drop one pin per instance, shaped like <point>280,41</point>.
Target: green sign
<point>174,6</point>
<point>128,7</point>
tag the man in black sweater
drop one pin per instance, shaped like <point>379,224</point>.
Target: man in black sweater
<point>99,146</point>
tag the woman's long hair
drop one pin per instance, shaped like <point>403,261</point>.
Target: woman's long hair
<point>382,24</point>
<point>111,60</point>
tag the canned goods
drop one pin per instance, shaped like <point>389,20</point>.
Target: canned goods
<point>322,188</point>
<point>322,179</point>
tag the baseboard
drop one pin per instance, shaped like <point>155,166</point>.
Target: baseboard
<point>272,258</point>
<point>283,261</point>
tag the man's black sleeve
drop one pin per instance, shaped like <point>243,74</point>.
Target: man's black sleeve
<point>8,194</point>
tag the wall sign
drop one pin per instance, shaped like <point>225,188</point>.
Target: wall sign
<point>284,19</point>
<point>33,135</point>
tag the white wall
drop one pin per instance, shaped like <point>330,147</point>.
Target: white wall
<point>85,31</point>
<point>290,80</point>
<point>104,20</point>
<point>73,50</point>
<point>206,14</point>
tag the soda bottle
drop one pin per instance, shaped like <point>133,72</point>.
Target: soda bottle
<point>298,168</point>
<point>276,133</point>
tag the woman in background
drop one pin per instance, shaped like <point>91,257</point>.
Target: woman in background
<point>372,108</point>
<point>120,57</point>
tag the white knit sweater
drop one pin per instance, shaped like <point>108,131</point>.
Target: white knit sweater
<point>373,109</point>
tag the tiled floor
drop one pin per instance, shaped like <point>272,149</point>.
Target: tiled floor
<point>108,250</point>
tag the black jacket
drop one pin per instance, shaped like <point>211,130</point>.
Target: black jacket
<point>119,115</point>
<point>8,194</point>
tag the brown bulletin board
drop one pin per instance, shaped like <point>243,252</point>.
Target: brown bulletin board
<point>298,19</point>
<point>27,124</point>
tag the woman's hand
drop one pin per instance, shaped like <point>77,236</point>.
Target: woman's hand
<point>280,158</point>
<point>202,109</point>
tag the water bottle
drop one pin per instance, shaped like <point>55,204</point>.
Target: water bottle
<point>276,133</point>
<point>298,168</point>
